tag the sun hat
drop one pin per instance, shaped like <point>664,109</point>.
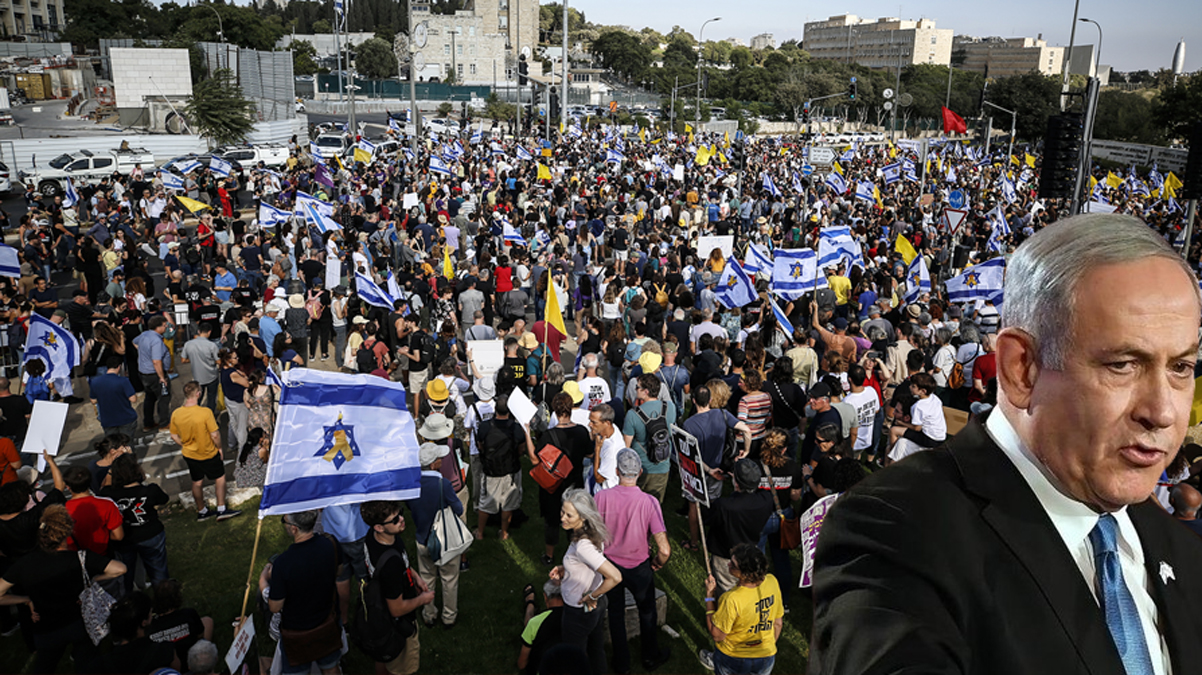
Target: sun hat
<point>436,427</point>
<point>296,301</point>
<point>436,389</point>
<point>429,453</point>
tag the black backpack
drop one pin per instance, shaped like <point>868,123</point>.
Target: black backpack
<point>373,629</point>
<point>497,450</point>
<point>659,441</point>
<point>427,349</point>
<point>365,358</point>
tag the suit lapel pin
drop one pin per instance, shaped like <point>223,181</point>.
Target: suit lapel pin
<point>1166,573</point>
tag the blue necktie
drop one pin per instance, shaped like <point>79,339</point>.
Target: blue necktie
<point>1122,618</point>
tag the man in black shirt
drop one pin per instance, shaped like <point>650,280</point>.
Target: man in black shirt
<point>44,299</point>
<point>80,314</point>
<point>15,411</point>
<point>404,590</point>
<point>195,293</point>
<point>416,353</point>
<point>207,312</point>
<point>243,296</point>
<point>311,270</point>
<point>252,261</point>
<point>737,519</point>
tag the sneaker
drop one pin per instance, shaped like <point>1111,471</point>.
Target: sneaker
<point>205,514</point>
<point>707,658</point>
<point>227,514</point>
<point>464,566</point>
<point>547,560</point>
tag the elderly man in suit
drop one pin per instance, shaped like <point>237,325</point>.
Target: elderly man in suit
<point>1032,544</point>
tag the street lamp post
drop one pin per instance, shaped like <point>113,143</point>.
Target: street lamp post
<point>1098,60</point>
<point>697,113</point>
<point>221,32</point>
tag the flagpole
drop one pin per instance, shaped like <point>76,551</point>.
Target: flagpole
<point>250,575</point>
<point>1189,226</point>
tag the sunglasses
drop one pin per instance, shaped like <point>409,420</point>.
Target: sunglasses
<point>396,520</point>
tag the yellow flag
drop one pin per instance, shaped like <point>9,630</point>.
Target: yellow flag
<point>544,173</point>
<point>1173,181</point>
<point>1014,161</point>
<point>688,128</point>
<point>448,268</point>
<point>1093,182</point>
<point>722,158</point>
<point>1195,412</point>
<point>1113,180</point>
<point>1030,160</point>
<point>1169,191</point>
<point>726,140</point>
<point>905,248</point>
<point>643,134</point>
<point>892,152</point>
<point>191,204</point>
<point>703,156</point>
<point>656,141</point>
<point>554,314</point>
<point>838,169</point>
<point>338,161</point>
<point>876,194</point>
<point>362,155</point>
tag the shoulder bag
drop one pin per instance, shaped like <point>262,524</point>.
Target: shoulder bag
<point>449,537</point>
<point>788,526</point>
<point>94,604</point>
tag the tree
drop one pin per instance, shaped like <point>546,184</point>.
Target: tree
<point>323,26</point>
<point>304,57</point>
<point>242,26</point>
<point>622,53</point>
<point>445,109</point>
<point>496,109</point>
<point>741,57</point>
<point>218,111</point>
<point>1126,116</point>
<point>1033,96</point>
<point>717,51</point>
<point>1179,106</point>
<point>89,20</point>
<point>375,60</point>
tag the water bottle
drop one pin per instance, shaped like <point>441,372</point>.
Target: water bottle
<point>164,388</point>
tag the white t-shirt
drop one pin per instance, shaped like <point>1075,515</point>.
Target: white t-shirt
<point>480,411</point>
<point>609,460</point>
<point>595,390</point>
<point>944,360</point>
<point>928,412</point>
<point>867,405</point>
<point>967,357</point>
<point>580,565</point>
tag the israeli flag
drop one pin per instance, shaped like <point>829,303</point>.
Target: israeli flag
<point>408,152</point>
<point>951,174</point>
<point>835,245</point>
<point>188,166</point>
<point>910,171</point>
<point>542,239</point>
<point>394,288</point>
<point>734,287</point>
<point>891,173</point>
<point>172,181</point>
<point>270,216</point>
<point>575,131</point>
<point>438,165</point>
<point>220,167</point>
<point>848,156</point>
<point>614,157</point>
<point>54,345</point>
<point>781,319</point>
<point>1171,205</point>
<point>371,293</point>
<point>795,273</point>
<point>997,221</point>
<point>314,149</point>
<point>524,154</point>
<point>769,186</point>
<point>10,262</point>
<point>512,235</point>
<point>797,186</point>
<point>918,280</point>
<point>835,182</point>
<point>865,191</point>
<point>757,260</point>
<point>340,439</point>
<point>394,126</point>
<point>978,281</point>
<point>70,196</point>
<point>477,136</point>
<point>325,208</point>
<point>1008,192</point>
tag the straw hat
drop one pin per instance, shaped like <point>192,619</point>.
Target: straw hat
<point>296,301</point>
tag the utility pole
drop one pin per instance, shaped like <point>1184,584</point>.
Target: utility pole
<point>338,9</point>
<point>565,89</point>
<point>896,92</point>
<point>516,44</point>
<point>697,113</point>
<point>414,116</point>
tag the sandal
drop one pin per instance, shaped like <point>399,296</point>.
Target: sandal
<point>527,598</point>
<point>690,546</point>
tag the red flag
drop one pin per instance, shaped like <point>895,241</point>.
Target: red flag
<point>953,122</point>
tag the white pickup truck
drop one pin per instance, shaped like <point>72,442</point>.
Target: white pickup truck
<point>83,167</point>
<point>249,156</point>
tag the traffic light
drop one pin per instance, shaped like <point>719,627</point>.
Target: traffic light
<point>1191,188</point>
<point>805,112</point>
<point>851,90</point>
<point>523,70</point>
<point>1061,156</point>
<point>553,103</point>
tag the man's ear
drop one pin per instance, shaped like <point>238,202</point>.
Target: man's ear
<point>1017,365</point>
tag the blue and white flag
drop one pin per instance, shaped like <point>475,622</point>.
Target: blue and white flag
<point>734,287</point>
<point>614,157</point>
<point>795,273</point>
<point>524,154</point>
<point>477,136</point>
<point>315,150</point>
<point>866,191</point>
<point>340,439</point>
<point>10,261</point>
<point>371,293</point>
<point>270,216</point>
<point>575,131</point>
<point>997,221</point>
<point>70,196</point>
<point>835,182</point>
<point>848,156</point>
<point>836,244</point>
<point>918,279</point>
<point>438,165</point>
<point>512,235</point>
<point>394,126</point>
<point>769,186</point>
<point>394,288</point>
<point>1008,192</point>
<point>978,281</point>
<point>797,186</point>
<point>909,170</point>
<point>756,260</point>
<point>782,319</point>
<point>891,173</point>
<point>54,345</point>
<point>171,181</point>
<point>188,166</point>
<point>408,152</point>
<point>220,167</point>
<point>314,216</point>
<point>1171,205</point>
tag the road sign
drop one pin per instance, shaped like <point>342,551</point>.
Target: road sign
<point>807,170</point>
<point>822,156</point>
<point>410,129</point>
<point>888,105</point>
<point>956,199</point>
<point>888,93</point>
<point>853,79</point>
<point>954,218</point>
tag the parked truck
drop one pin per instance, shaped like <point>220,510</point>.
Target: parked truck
<point>271,154</point>
<point>84,167</point>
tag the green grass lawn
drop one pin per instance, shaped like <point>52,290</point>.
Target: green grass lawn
<point>212,559</point>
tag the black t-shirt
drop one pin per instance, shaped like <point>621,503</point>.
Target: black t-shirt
<point>824,471</point>
<point>53,581</point>
<point>243,297</point>
<point>575,443</point>
<point>180,629</point>
<point>550,633</point>
<point>518,364</point>
<point>784,478</point>
<point>14,408</point>
<point>47,295</point>
<point>176,290</point>
<point>250,258</point>
<point>210,314</point>
<point>738,519</point>
<point>303,576</point>
<point>137,505</point>
<point>808,442</point>
<point>195,293</point>
<point>312,269</point>
<point>617,239</point>
<point>788,403</point>
<point>19,535</point>
<point>397,580</point>
<point>80,317</point>
<point>139,656</point>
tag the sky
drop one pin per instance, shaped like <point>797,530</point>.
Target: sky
<point>1137,36</point>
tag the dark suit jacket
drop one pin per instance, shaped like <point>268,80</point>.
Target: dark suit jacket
<point>947,563</point>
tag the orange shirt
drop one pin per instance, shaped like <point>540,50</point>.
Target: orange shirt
<point>9,456</point>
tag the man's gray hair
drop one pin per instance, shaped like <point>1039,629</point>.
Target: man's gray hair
<point>202,657</point>
<point>589,361</point>
<point>605,412</point>
<point>552,590</point>
<point>304,521</point>
<point>1042,277</point>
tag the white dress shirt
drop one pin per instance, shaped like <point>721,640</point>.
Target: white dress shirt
<point>1074,521</point>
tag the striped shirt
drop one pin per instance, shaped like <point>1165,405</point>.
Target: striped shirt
<point>755,410</point>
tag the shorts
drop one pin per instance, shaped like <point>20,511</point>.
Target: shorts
<point>418,379</point>
<point>502,493</point>
<point>622,255</point>
<point>200,469</point>
<point>920,439</point>
<point>408,660</point>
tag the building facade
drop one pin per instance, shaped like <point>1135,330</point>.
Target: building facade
<point>884,43</point>
<point>763,41</point>
<point>40,19</point>
<point>1003,57</point>
<point>481,43</point>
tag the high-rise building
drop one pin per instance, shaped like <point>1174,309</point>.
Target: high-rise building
<point>883,43</point>
<point>763,41</point>
<point>1003,57</point>
<point>39,19</point>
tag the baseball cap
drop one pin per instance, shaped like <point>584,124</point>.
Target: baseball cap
<point>840,323</point>
<point>629,464</point>
<point>820,390</point>
<point>747,474</point>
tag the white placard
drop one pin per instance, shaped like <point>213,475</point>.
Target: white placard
<point>521,408</point>
<point>710,242</point>
<point>489,355</point>
<point>333,273</point>
<point>409,200</point>
<point>678,172</point>
<point>242,642</point>
<point>45,430</point>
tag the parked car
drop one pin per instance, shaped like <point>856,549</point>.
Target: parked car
<point>442,125</point>
<point>84,167</point>
<point>332,144</point>
<point>271,154</point>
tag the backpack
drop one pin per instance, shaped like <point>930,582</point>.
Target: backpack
<point>313,306</point>
<point>955,379</point>
<point>365,358</point>
<point>427,349</point>
<point>661,295</point>
<point>659,441</point>
<point>37,389</point>
<point>496,450</point>
<point>373,629</point>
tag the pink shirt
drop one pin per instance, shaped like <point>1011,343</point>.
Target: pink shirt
<point>630,515</point>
